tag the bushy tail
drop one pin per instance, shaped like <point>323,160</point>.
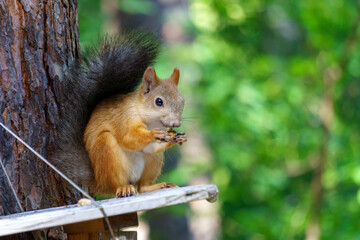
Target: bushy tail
<point>115,66</point>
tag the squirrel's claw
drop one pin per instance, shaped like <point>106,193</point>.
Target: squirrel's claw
<point>181,138</point>
<point>162,136</point>
<point>126,191</point>
<point>168,185</point>
<point>157,186</point>
<point>169,136</point>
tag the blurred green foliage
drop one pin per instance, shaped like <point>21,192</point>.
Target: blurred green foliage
<point>257,73</point>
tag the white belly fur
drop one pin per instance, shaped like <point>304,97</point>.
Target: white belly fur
<point>136,166</point>
<point>150,148</point>
<point>154,147</point>
<point>137,161</point>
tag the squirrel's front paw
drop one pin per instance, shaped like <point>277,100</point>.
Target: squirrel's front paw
<point>162,135</point>
<point>180,138</point>
<point>177,137</point>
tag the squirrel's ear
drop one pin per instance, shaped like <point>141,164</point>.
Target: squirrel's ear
<point>175,76</point>
<point>149,79</point>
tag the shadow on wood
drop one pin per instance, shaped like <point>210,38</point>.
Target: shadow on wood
<point>97,229</point>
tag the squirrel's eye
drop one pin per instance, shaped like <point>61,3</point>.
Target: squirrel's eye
<point>159,102</point>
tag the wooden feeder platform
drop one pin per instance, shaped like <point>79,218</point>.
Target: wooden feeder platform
<point>87,222</point>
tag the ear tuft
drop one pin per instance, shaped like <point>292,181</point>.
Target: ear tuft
<point>175,76</point>
<point>149,79</point>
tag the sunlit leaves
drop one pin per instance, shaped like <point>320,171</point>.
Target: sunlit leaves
<point>261,90</point>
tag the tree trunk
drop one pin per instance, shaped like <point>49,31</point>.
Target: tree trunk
<point>38,40</point>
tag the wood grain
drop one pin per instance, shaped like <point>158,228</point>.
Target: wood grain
<point>46,218</point>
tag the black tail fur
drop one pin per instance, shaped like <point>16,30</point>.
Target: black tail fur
<point>115,66</point>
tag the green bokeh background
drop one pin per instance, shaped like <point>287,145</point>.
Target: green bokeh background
<point>274,90</point>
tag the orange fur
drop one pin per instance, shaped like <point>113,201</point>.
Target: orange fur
<point>121,136</point>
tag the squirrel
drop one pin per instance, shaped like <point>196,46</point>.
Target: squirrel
<point>112,135</point>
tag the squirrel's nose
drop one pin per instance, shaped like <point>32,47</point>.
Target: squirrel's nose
<point>176,124</point>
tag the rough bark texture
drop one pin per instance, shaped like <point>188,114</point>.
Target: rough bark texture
<point>38,40</point>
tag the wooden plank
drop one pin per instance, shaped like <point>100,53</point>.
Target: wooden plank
<point>123,235</point>
<point>92,226</point>
<point>123,221</point>
<point>83,236</point>
<point>51,217</point>
<point>98,225</point>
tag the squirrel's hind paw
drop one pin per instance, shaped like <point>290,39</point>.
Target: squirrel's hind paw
<point>126,191</point>
<point>157,186</point>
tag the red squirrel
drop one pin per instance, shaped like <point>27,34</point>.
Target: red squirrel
<point>125,137</point>
<point>112,133</point>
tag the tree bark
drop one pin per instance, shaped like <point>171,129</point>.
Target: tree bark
<point>38,40</point>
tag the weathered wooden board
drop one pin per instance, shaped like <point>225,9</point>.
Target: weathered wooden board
<point>99,225</point>
<point>58,216</point>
